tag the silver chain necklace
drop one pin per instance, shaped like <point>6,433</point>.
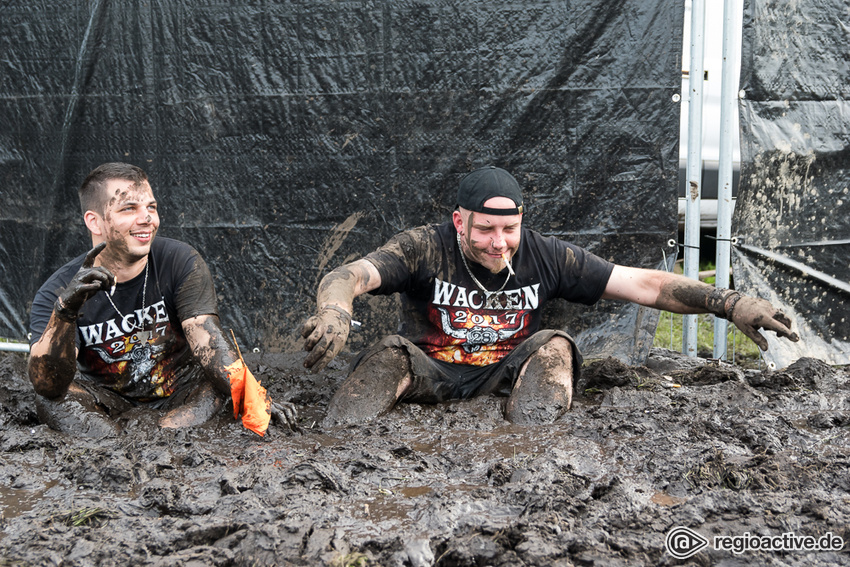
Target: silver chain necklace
<point>144,293</point>
<point>478,283</point>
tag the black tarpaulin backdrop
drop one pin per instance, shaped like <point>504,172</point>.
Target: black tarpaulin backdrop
<point>792,217</point>
<point>285,138</point>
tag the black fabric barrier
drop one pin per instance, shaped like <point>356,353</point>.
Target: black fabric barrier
<point>285,138</point>
<point>792,217</point>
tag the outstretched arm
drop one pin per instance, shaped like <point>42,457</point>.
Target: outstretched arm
<point>327,330</point>
<point>53,358</point>
<point>215,353</point>
<point>678,294</point>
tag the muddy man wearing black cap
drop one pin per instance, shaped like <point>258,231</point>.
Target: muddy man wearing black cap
<point>136,315</point>
<point>472,292</point>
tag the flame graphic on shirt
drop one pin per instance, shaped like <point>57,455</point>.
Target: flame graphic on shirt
<point>475,338</point>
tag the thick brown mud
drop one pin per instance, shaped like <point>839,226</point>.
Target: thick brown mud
<point>678,442</point>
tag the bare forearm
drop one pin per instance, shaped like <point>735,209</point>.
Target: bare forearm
<point>53,360</point>
<point>678,294</point>
<point>212,349</point>
<point>749,314</point>
<point>325,332</point>
<point>684,295</point>
<point>666,291</point>
<point>53,363</point>
<point>343,284</point>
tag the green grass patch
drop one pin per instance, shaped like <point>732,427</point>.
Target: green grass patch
<point>740,349</point>
<point>93,517</point>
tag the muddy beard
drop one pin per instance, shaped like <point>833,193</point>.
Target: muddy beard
<point>469,250</point>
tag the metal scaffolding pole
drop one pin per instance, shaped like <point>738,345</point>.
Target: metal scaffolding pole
<point>694,166</point>
<point>728,111</point>
<point>14,347</point>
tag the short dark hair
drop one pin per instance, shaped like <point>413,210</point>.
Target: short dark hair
<point>91,192</point>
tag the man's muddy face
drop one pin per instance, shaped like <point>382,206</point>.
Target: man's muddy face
<point>484,238</point>
<point>130,219</point>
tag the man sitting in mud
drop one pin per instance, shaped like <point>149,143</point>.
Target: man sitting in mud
<point>472,292</point>
<point>137,315</point>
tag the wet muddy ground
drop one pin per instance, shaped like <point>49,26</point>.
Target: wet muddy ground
<point>678,442</point>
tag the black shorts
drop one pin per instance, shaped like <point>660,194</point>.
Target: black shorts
<point>437,381</point>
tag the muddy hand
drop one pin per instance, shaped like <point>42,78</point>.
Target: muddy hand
<point>85,283</point>
<point>284,414</point>
<point>325,334</point>
<point>751,314</point>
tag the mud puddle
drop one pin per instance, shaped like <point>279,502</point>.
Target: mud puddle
<point>678,442</point>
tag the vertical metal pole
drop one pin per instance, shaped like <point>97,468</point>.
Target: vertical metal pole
<point>694,167</point>
<point>732,10</point>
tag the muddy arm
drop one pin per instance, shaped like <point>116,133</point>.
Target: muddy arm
<point>327,331</point>
<point>212,349</point>
<point>53,359</point>
<point>678,294</point>
<point>663,290</point>
<point>215,353</point>
<point>342,285</point>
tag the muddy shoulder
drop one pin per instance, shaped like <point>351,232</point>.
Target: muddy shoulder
<point>723,451</point>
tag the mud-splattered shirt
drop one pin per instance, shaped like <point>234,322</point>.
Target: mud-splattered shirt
<point>144,364</point>
<point>451,319</point>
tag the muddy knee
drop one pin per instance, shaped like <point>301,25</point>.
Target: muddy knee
<point>372,389</point>
<point>200,406</point>
<point>544,389</point>
<point>77,413</point>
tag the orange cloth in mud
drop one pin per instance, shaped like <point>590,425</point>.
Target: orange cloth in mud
<point>249,398</point>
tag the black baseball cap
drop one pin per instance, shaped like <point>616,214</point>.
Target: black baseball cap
<point>485,183</point>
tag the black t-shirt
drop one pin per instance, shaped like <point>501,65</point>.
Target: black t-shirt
<point>141,364</point>
<point>451,319</point>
